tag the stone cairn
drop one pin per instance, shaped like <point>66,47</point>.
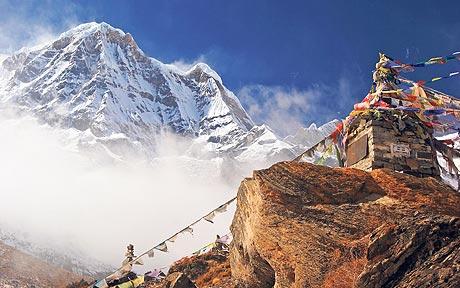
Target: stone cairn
<point>393,140</point>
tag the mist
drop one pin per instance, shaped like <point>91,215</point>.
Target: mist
<point>66,200</point>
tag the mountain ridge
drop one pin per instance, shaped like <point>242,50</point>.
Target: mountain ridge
<point>96,78</point>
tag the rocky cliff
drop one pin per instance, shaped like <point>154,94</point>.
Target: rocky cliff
<point>301,225</point>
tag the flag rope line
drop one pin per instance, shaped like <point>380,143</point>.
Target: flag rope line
<point>174,235</point>
<point>431,61</point>
<point>436,92</point>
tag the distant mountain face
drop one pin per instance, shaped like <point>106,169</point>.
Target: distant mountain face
<point>94,78</point>
<point>310,136</point>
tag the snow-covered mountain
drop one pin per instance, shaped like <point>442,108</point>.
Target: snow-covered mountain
<point>310,136</point>
<point>96,79</point>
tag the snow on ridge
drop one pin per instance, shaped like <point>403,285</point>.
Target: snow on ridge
<point>85,29</point>
<point>305,138</point>
<point>3,57</point>
<point>206,69</point>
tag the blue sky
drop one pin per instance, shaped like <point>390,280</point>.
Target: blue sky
<point>290,62</point>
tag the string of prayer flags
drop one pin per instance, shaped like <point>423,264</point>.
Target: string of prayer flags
<point>431,61</point>
<point>325,155</point>
<point>204,249</point>
<point>127,265</point>
<point>325,148</point>
<point>137,261</point>
<point>222,240</point>
<point>450,75</point>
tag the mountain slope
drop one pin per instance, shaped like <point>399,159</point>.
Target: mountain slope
<point>310,136</point>
<point>66,257</point>
<point>20,270</point>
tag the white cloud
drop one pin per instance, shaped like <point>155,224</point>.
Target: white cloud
<point>186,65</point>
<point>283,109</point>
<point>286,109</point>
<point>30,23</point>
<point>64,199</point>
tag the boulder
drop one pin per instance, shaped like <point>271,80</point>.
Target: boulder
<point>176,280</point>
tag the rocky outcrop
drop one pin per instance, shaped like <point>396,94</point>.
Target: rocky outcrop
<point>301,225</point>
<point>177,280</point>
<point>210,270</point>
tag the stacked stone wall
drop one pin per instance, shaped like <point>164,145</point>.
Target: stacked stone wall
<point>402,146</point>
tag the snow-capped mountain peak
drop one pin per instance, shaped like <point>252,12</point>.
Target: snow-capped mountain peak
<point>200,68</point>
<point>95,77</point>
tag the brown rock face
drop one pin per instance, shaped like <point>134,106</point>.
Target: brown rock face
<point>301,225</point>
<point>174,280</point>
<point>178,280</point>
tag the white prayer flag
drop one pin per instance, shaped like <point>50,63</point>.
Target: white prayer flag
<point>162,247</point>
<point>222,208</point>
<point>173,238</point>
<point>151,253</point>
<point>210,217</point>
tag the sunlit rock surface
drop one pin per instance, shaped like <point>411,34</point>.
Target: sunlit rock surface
<point>301,225</point>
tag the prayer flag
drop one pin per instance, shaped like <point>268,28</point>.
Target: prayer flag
<point>188,230</point>
<point>101,284</point>
<point>222,208</point>
<point>173,238</point>
<point>162,247</point>
<point>210,217</point>
<point>224,239</point>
